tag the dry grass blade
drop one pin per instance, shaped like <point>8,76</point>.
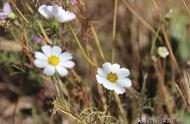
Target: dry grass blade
<point>143,21</point>
<point>92,115</point>
<point>187,9</point>
<point>183,86</point>
<point>10,46</point>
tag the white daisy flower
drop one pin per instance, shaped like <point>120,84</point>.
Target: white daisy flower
<point>52,60</point>
<point>162,51</point>
<point>112,77</point>
<point>56,13</point>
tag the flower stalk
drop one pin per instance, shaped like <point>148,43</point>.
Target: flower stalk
<point>97,42</point>
<point>81,48</point>
<point>24,18</point>
<point>60,96</point>
<point>44,33</point>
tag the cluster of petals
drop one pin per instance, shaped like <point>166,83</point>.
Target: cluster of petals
<point>112,77</point>
<point>57,13</point>
<point>53,60</point>
<point>162,51</point>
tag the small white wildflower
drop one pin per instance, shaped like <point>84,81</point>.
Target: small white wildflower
<point>53,60</point>
<point>162,51</point>
<point>112,77</point>
<point>56,13</point>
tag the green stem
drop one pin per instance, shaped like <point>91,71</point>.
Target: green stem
<point>120,106</point>
<point>109,102</point>
<point>43,32</point>
<point>81,48</point>
<point>54,84</point>
<point>59,92</point>
<point>62,98</point>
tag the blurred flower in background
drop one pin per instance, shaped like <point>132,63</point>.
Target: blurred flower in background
<point>53,60</point>
<point>112,77</point>
<point>56,13</point>
<point>38,39</point>
<point>162,51</point>
<point>73,2</point>
<point>7,12</point>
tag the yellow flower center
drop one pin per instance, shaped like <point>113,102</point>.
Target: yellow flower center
<point>53,60</point>
<point>112,77</point>
<point>161,52</point>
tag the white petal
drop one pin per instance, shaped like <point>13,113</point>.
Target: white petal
<point>115,67</point>
<point>69,16</point>
<point>49,70</point>
<point>43,10</point>
<point>51,10</point>
<point>59,16</point>
<point>119,89</point>
<point>67,64</point>
<point>101,79</point>
<point>107,67</point>
<point>40,64</point>
<point>62,71</point>
<point>56,50</point>
<point>64,16</point>
<point>47,50</point>
<point>102,72</point>
<point>40,56</point>
<point>123,72</point>
<point>125,82</point>
<point>109,85</point>
<point>55,9</point>
<point>65,56</point>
